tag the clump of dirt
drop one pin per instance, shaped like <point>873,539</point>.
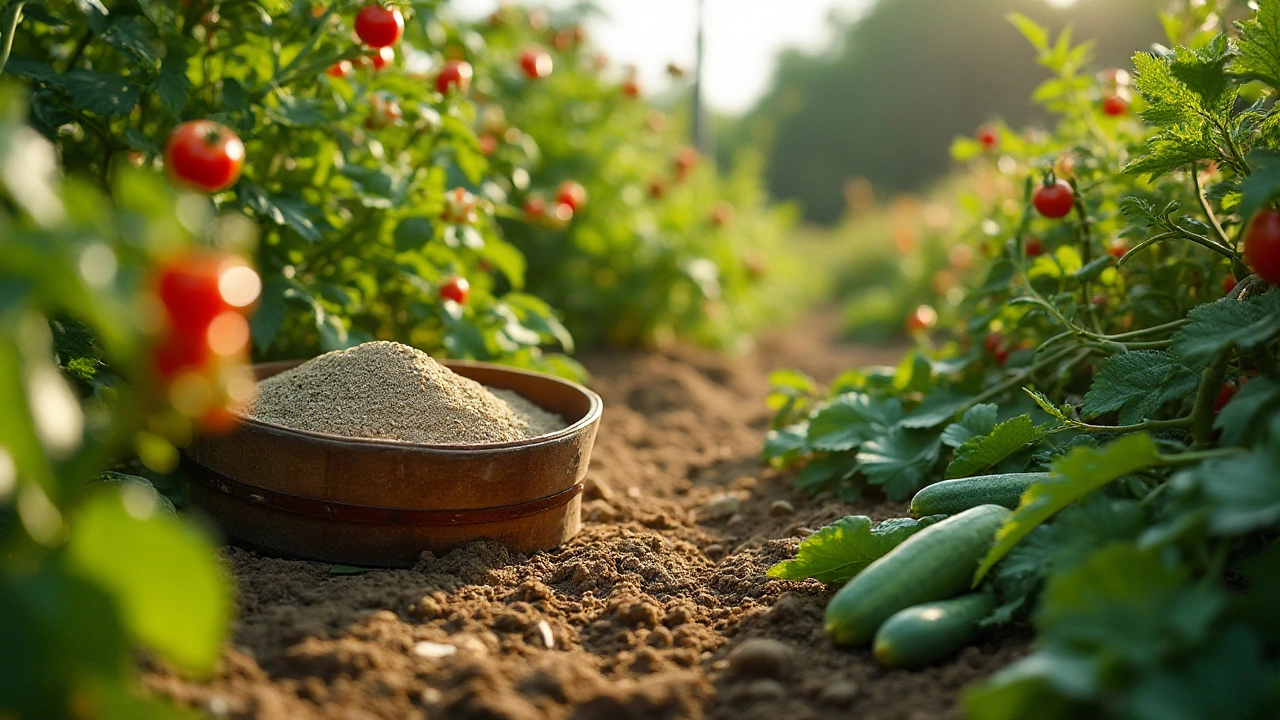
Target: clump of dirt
<point>659,608</point>
<point>389,391</point>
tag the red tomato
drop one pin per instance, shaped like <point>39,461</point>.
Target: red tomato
<point>457,74</point>
<point>456,289</point>
<point>204,155</point>
<point>378,26</point>
<point>631,88</point>
<point>1001,356</point>
<point>1054,200</point>
<point>535,63</point>
<point>488,144</point>
<point>988,137</point>
<point>381,59</point>
<point>197,292</point>
<point>1034,248</point>
<point>1262,245</point>
<point>721,214</point>
<point>535,206</point>
<point>1117,248</point>
<point>1224,396</point>
<point>992,342</point>
<point>1114,105</point>
<point>571,194</point>
<point>921,319</point>
<point>1228,285</point>
<point>340,69</point>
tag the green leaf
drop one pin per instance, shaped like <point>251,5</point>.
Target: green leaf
<point>1242,493</point>
<point>850,420</point>
<point>128,35</point>
<point>1035,34</point>
<point>100,93</point>
<point>782,447</point>
<point>936,408</point>
<point>165,579</point>
<point>1048,684</point>
<point>1230,678</point>
<point>298,112</point>
<point>980,453</point>
<point>506,259</point>
<point>1137,384</point>
<point>413,233</point>
<point>1216,326</point>
<point>269,317</point>
<point>172,85</point>
<point>977,421</point>
<point>824,471</point>
<point>1263,183</point>
<point>290,212</point>
<point>1082,471</point>
<point>839,551</point>
<point>123,480</point>
<point>900,460</point>
<point>1242,420</point>
<point>1257,57</point>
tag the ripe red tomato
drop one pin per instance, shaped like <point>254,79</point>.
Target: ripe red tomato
<point>988,137</point>
<point>1117,248</point>
<point>1034,248</point>
<point>1001,356</point>
<point>378,26</point>
<point>535,206</point>
<point>1054,200</point>
<point>1262,245</point>
<point>198,293</point>
<point>488,144</point>
<point>535,62</point>
<point>457,74</point>
<point>921,319</point>
<point>1224,396</point>
<point>572,194</point>
<point>381,59</point>
<point>204,155</point>
<point>456,289</point>
<point>721,214</point>
<point>1114,105</point>
<point>1228,285</point>
<point>631,88</point>
<point>340,69</point>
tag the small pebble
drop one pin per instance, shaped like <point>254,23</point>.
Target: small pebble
<point>714,550</point>
<point>765,689</point>
<point>781,507</point>
<point>721,506</point>
<point>762,657</point>
<point>840,693</point>
<point>735,519</point>
<point>433,650</point>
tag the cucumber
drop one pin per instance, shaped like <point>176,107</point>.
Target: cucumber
<point>952,496</point>
<point>934,564</point>
<point>922,634</point>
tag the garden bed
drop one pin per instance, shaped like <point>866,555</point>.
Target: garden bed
<point>643,611</point>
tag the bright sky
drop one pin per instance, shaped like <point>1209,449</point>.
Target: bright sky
<point>743,38</point>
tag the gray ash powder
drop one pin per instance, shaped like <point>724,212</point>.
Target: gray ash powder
<point>388,391</point>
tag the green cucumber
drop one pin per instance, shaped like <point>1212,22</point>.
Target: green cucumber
<point>923,634</point>
<point>934,564</point>
<point>952,496</point>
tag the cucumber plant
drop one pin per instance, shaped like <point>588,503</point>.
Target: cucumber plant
<point>1112,360</point>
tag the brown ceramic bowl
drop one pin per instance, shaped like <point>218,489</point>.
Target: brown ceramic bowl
<point>382,503</point>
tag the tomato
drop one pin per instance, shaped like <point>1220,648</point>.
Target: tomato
<point>993,342</point>
<point>1224,396</point>
<point>1054,200</point>
<point>378,26</point>
<point>631,89</point>
<point>488,144</point>
<point>1001,356</point>
<point>340,69</point>
<point>988,137</point>
<point>459,207</point>
<point>560,215</point>
<point>1228,285</point>
<point>456,289</point>
<point>202,296</point>
<point>1117,248</point>
<point>383,111</point>
<point>381,59</point>
<point>657,189</point>
<point>204,155</point>
<point>686,159</point>
<point>1115,105</point>
<point>721,214</point>
<point>535,206</point>
<point>571,194</point>
<point>1034,248</point>
<point>456,74</point>
<point>921,319</point>
<point>535,63</point>
<point>1262,245</point>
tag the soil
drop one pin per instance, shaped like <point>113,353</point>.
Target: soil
<point>660,608</point>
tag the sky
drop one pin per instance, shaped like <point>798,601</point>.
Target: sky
<point>743,38</point>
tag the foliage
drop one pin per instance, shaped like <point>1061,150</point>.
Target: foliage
<point>842,549</point>
<point>1145,558</point>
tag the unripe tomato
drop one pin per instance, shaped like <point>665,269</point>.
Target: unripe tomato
<point>204,155</point>
<point>921,319</point>
<point>1064,166</point>
<point>459,207</point>
<point>456,74</point>
<point>340,69</point>
<point>456,289</point>
<point>1262,245</point>
<point>571,194</point>
<point>378,26</point>
<point>383,111</point>
<point>1115,105</point>
<point>535,63</point>
<point>535,207</point>
<point>1034,248</point>
<point>1228,285</point>
<point>381,59</point>
<point>1054,200</point>
<point>988,137</point>
<point>721,214</point>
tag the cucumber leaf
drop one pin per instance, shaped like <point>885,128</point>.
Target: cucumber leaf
<point>841,550</point>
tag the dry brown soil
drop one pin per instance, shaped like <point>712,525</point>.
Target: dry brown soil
<point>660,608</point>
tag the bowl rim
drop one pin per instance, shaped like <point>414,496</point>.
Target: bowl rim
<point>592,416</point>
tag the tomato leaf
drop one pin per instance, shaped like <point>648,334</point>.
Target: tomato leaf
<point>1256,57</point>
<point>839,551</point>
<point>985,451</point>
<point>900,460</point>
<point>1137,384</point>
<point>977,421</point>
<point>1216,326</point>
<point>852,419</point>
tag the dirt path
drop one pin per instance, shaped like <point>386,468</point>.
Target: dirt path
<point>660,608</point>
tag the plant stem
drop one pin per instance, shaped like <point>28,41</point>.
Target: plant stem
<point>1136,427</point>
<point>1206,396</point>
<point>9,17</point>
<point>1018,378</point>
<point>1192,457</point>
<point>1208,209</point>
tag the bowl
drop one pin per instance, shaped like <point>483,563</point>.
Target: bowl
<point>382,503</point>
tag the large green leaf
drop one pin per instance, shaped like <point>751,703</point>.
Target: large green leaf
<point>842,549</point>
